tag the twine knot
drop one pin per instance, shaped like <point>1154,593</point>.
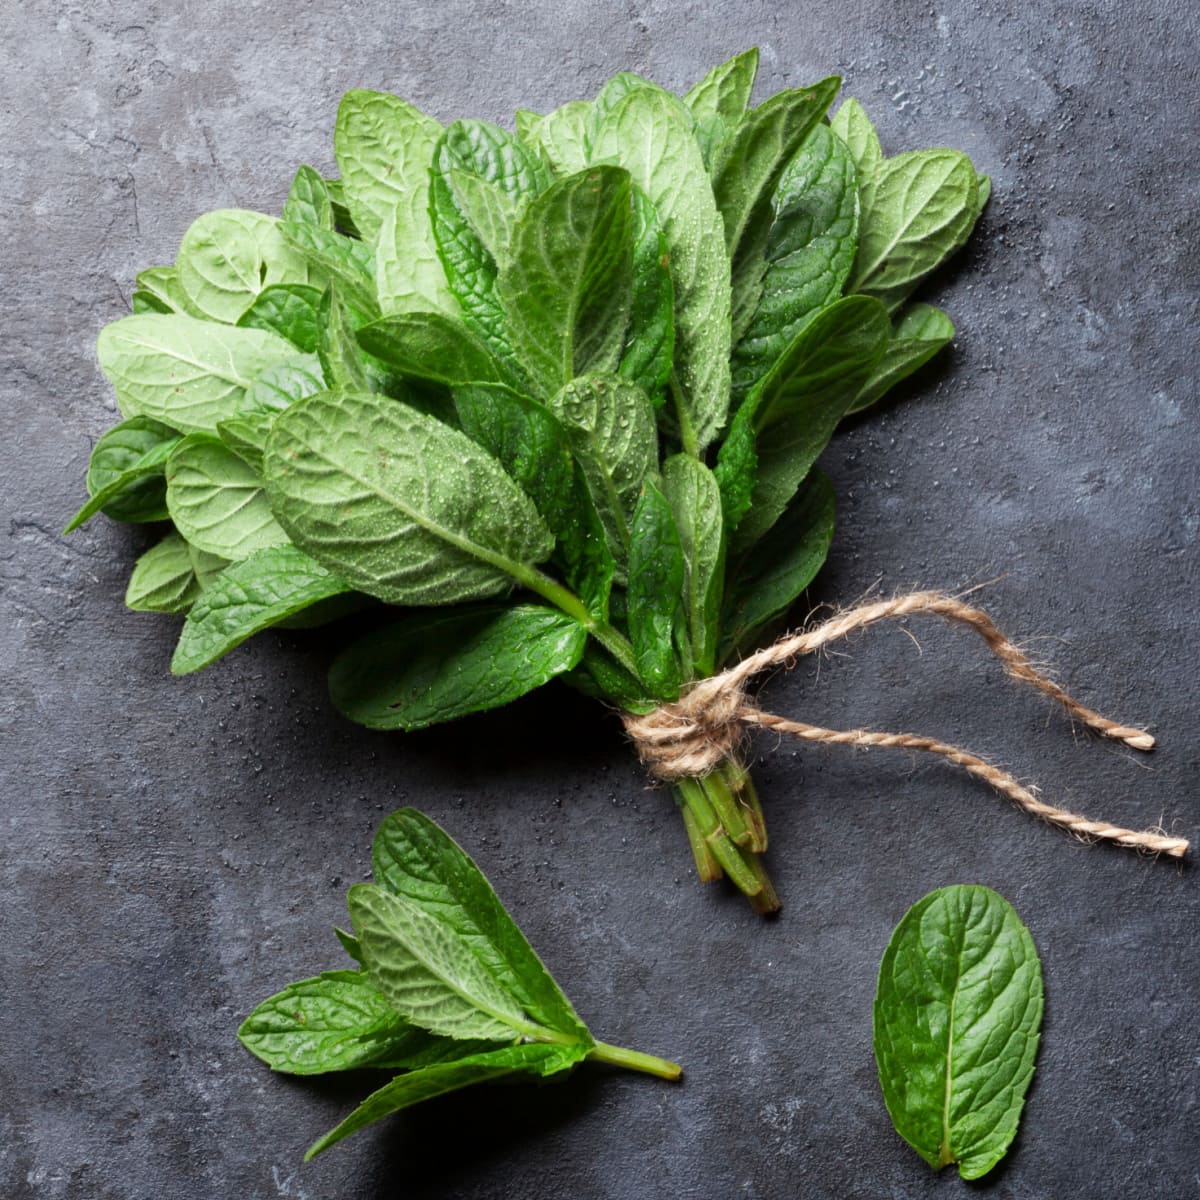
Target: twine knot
<point>691,736</point>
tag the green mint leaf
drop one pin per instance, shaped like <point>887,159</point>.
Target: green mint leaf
<point>610,427</point>
<point>567,281</point>
<point>562,136</point>
<point>308,201</point>
<point>957,1018</point>
<point>415,858</point>
<point>719,102</point>
<point>342,363</point>
<point>163,578</point>
<point>490,211</point>
<point>217,500</point>
<point>532,446</point>
<point>343,222</point>
<point>125,473</point>
<point>161,284</point>
<point>920,331</point>
<point>767,580</point>
<point>262,590</point>
<point>648,132</point>
<point>526,122</point>
<point>229,256</point>
<point>186,373</point>
<point>430,974</point>
<point>798,405</point>
<point>433,347</point>
<point>809,252</point>
<point>435,667</point>
<point>331,255</point>
<point>246,436</point>
<point>291,310</point>
<point>650,340</point>
<point>407,1090</point>
<point>657,620</point>
<point>494,156</point>
<point>333,1022</point>
<point>282,384</point>
<point>852,125</point>
<point>399,505</point>
<point>692,492</point>
<point>925,205</point>
<point>383,146</point>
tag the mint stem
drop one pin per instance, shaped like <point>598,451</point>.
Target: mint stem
<point>635,1060</point>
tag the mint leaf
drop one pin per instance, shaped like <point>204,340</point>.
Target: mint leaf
<point>333,256</point>
<point>281,384</point>
<point>125,473</point>
<point>852,125</point>
<point>161,286</point>
<point>163,578</point>
<point>435,667</point>
<point>185,373</point>
<point>650,339</point>
<point>431,346</point>
<point>657,617</point>
<point>290,310</point>
<point>308,201</point>
<point>567,280</point>
<point>247,436</point>
<point>264,589</point>
<point>561,136</point>
<point>957,1018</point>
<point>919,332</point>
<point>719,101</point>
<point>399,505</point>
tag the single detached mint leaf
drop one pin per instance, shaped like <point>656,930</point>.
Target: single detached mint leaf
<point>415,1086</point>
<point>958,1015</point>
<point>414,857</point>
<point>399,505</point>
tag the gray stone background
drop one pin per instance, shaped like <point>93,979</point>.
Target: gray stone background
<point>174,850</point>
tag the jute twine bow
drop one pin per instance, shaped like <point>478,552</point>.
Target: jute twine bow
<point>691,736</point>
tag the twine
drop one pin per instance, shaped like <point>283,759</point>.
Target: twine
<point>691,736</point>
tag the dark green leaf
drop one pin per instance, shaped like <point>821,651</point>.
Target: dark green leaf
<point>532,446</point>
<point>416,859</point>
<point>401,506</point>
<point>695,499</point>
<point>719,101</point>
<point>798,405</point>
<point>432,346</point>
<point>919,333</point>
<point>435,667</point>
<point>809,252</point>
<point>308,200</point>
<point>290,310</point>
<point>780,566</point>
<point>657,621</point>
<point>958,1015</point>
<point>600,677</point>
<point>566,285</point>
<point>333,256</point>
<point>262,590</point>
<point>125,473</point>
<point>412,1088</point>
<point>147,302</point>
<point>650,340</point>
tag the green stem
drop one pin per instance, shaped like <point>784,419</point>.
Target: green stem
<point>726,806</point>
<point>687,435</point>
<point>635,1060</point>
<point>719,842</point>
<point>708,870</point>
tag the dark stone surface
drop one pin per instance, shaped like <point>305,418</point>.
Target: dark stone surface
<point>176,849</point>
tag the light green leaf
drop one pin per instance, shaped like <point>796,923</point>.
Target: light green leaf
<point>414,858</point>
<point>186,373</point>
<point>264,589</point>
<point>526,122</point>
<point>288,309</point>
<point>852,125</point>
<point>163,579</point>
<point>407,1090</point>
<point>648,133</point>
<point>958,1014</point>
<point>489,210</point>
<point>217,500</point>
<point>342,364</point>
<point>770,577</point>
<point>383,146</point>
<point>125,473</point>
<point>657,617</point>
<point>429,972</point>
<point>331,255</point>
<point>435,667</point>
<point>610,427</point>
<point>401,506</point>
<point>207,567</point>
<point>431,346</point>
<point>924,207</point>
<point>229,256</point>
<point>562,136</point>
<point>283,383</point>
<point>695,499</point>
<point>246,436</point>
<point>798,405</point>
<point>919,333</point>
<point>163,286</point>
<point>808,255</point>
<point>719,101</point>
<point>308,200</point>
<point>334,1022</point>
<point>567,281</point>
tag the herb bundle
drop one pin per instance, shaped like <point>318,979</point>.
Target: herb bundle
<point>448,992</point>
<point>557,395</point>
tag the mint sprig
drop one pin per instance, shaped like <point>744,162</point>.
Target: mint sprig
<point>448,989</point>
<point>564,386</point>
